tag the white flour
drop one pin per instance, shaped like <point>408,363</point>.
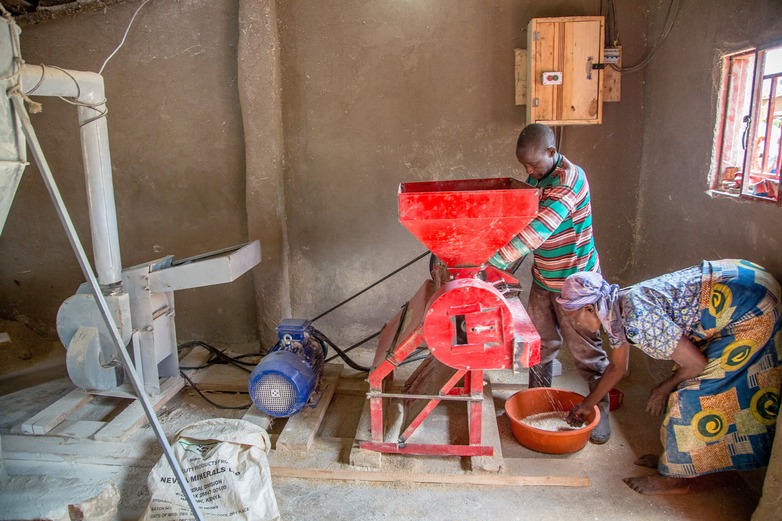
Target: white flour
<point>549,421</point>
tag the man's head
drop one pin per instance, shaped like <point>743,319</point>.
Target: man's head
<point>536,150</point>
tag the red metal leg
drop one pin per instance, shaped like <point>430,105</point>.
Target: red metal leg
<point>475,386</point>
<point>400,337</point>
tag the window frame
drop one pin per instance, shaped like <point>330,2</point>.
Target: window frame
<point>715,176</point>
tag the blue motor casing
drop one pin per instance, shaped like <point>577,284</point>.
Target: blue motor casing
<point>290,374</point>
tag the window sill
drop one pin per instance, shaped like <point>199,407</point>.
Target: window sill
<point>722,194</point>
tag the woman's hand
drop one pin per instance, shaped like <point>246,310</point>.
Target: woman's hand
<point>658,400</point>
<point>691,363</point>
<point>615,371</point>
<point>578,415</point>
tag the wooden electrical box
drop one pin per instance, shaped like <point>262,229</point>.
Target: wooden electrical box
<point>564,88</point>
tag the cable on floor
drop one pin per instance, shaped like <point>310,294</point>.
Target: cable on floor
<point>215,404</point>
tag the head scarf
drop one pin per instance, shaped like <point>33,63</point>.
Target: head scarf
<point>589,287</point>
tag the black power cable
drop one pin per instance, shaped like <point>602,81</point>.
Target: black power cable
<point>342,353</point>
<point>219,357</point>
<point>415,359</point>
<point>670,20</point>
<point>219,406</point>
<point>424,254</point>
<point>320,336</point>
<point>357,344</point>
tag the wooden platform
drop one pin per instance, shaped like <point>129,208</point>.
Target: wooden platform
<point>298,451</point>
<point>55,418</point>
<point>299,434</point>
<point>117,430</point>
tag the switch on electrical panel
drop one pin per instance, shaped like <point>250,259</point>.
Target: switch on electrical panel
<point>551,78</point>
<point>565,81</point>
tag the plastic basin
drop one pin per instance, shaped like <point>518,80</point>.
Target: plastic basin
<point>547,399</point>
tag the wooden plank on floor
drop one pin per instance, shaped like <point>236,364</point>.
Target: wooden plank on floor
<point>221,378</point>
<point>133,416</point>
<point>490,435</point>
<point>51,416</point>
<point>78,429</point>
<point>256,417</point>
<point>547,464</point>
<point>453,479</point>
<point>300,430</point>
<point>63,450</point>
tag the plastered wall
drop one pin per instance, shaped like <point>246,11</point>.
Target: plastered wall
<point>679,224</point>
<point>175,133</point>
<point>294,123</point>
<point>378,93</point>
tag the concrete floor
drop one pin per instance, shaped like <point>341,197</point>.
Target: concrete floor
<point>34,485</point>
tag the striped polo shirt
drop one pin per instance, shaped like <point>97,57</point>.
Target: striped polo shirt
<point>560,237</point>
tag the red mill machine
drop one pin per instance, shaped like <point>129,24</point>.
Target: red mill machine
<point>471,319</point>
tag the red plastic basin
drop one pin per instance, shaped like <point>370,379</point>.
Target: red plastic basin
<point>547,399</point>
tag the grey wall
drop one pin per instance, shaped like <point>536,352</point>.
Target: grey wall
<point>679,224</point>
<point>260,94</point>
<point>294,123</point>
<point>178,157</point>
<point>376,93</point>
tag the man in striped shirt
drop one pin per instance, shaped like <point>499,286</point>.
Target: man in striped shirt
<point>560,239</point>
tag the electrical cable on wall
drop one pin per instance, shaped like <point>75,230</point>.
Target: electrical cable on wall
<point>670,20</point>
<point>611,33</point>
<point>122,42</point>
<point>99,107</point>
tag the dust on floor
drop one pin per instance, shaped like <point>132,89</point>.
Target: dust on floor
<point>728,496</point>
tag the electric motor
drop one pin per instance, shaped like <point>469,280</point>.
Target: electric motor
<point>288,378</point>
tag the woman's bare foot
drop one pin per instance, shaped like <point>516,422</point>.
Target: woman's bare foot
<point>657,484</point>
<point>647,460</point>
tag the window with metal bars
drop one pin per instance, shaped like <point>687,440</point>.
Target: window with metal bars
<point>748,142</point>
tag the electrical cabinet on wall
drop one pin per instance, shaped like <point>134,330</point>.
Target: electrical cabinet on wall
<point>564,88</point>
